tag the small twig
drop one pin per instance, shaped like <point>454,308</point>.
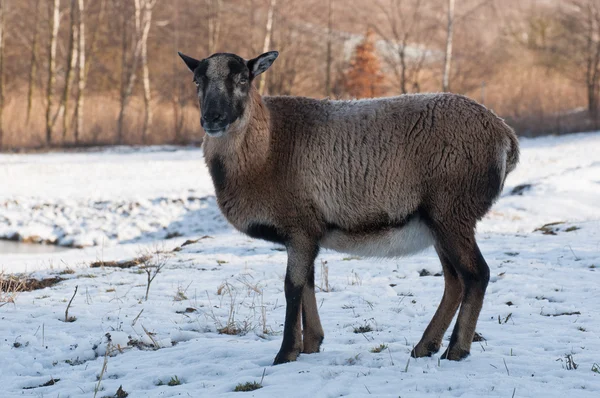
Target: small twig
<point>514,391</point>
<point>369,391</point>
<point>104,364</point>
<point>137,317</point>
<point>408,363</point>
<point>67,319</point>
<point>574,255</point>
<point>507,372</point>
<point>156,345</point>
<point>391,359</point>
<point>263,376</point>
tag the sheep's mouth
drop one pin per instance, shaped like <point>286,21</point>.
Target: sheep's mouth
<point>216,132</point>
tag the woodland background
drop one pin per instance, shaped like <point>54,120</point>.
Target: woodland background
<point>101,72</point>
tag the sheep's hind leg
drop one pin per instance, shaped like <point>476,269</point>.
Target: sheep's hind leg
<point>312,329</point>
<point>432,337</point>
<point>474,274</point>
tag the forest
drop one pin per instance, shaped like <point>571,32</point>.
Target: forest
<point>105,72</point>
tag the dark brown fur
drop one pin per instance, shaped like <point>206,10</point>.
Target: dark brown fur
<point>384,177</point>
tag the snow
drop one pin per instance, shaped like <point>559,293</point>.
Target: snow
<point>122,203</point>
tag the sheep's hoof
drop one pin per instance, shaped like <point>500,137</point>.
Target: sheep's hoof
<point>312,344</point>
<point>284,357</point>
<point>455,354</point>
<point>424,350</point>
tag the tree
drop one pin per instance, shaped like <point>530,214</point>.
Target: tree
<point>63,108</point>
<point>54,25</point>
<point>142,23</point>
<point>328,59</point>
<point>214,24</point>
<point>2,12</point>
<point>406,22</point>
<point>82,73</point>
<point>267,42</point>
<point>576,48</point>
<point>146,21</point>
<point>33,63</point>
<point>448,52</point>
<point>363,78</point>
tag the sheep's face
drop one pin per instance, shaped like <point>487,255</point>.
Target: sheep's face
<point>223,83</point>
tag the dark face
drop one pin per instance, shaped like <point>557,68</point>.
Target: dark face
<point>223,84</point>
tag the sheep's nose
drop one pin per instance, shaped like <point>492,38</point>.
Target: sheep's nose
<point>213,116</point>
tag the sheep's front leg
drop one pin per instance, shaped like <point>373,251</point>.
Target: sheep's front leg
<point>301,257</point>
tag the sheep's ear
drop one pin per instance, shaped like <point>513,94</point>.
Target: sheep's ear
<point>191,63</point>
<point>261,63</point>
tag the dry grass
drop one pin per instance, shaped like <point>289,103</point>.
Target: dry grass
<point>235,298</point>
<point>101,113</point>
<point>12,285</point>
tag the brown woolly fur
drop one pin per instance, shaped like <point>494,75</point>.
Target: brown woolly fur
<point>382,177</point>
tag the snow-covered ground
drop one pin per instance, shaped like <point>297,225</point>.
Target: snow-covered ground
<point>540,315</point>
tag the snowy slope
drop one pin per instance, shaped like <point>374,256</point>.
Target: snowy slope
<point>541,305</point>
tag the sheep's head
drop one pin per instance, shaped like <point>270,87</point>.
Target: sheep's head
<point>223,83</point>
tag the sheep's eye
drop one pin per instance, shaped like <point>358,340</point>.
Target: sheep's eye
<point>243,80</point>
<point>197,83</point>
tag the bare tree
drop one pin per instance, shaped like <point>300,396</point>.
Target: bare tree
<point>214,24</point>
<point>267,42</point>
<point>328,58</point>
<point>126,76</point>
<point>2,12</point>
<point>63,108</point>
<point>407,34</point>
<point>82,73</point>
<point>54,13</point>
<point>176,98</point>
<point>575,48</point>
<point>146,22</point>
<point>142,22</point>
<point>448,53</point>
<point>33,64</point>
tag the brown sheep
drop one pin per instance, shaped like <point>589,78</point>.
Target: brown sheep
<point>381,177</point>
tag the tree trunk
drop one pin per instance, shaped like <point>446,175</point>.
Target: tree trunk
<point>252,15</point>
<point>2,12</point>
<point>402,54</point>
<point>214,25</point>
<point>177,102</point>
<point>54,25</point>
<point>63,108</point>
<point>267,43</point>
<point>147,23</point>
<point>142,19</point>
<point>33,64</point>
<point>78,129</point>
<point>448,54</point>
<point>328,59</point>
<point>124,74</point>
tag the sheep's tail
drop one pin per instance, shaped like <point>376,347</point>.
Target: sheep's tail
<point>512,152</point>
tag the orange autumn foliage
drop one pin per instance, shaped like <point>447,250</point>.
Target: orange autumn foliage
<point>363,78</point>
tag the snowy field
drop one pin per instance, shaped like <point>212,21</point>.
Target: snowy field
<point>540,321</point>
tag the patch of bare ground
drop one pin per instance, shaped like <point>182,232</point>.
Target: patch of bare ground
<point>120,264</point>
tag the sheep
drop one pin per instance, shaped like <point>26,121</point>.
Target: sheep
<point>384,177</point>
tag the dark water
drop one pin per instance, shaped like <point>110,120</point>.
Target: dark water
<point>11,247</point>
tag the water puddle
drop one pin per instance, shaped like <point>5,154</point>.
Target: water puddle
<point>12,247</point>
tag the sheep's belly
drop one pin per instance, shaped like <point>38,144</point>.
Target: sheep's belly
<point>412,238</point>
